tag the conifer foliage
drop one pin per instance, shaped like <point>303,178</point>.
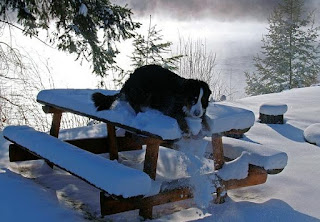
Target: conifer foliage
<point>290,52</point>
<point>152,49</point>
<point>86,28</point>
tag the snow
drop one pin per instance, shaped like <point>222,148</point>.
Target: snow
<point>23,200</point>
<point>224,117</point>
<point>312,134</point>
<point>256,153</point>
<point>274,109</point>
<point>192,155</point>
<point>235,169</point>
<point>96,130</point>
<point>292,195</point>
<point>83,10</point>
<point>97,170</point>
<point>80,101</point>
<point>171,164</point>
<point>194,125</point>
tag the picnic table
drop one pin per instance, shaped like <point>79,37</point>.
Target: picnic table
<point>150,128</point>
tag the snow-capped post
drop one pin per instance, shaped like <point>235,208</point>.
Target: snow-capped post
<point>272,113</point>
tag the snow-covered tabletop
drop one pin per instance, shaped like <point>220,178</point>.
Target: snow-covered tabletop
<point>223,118</point>
<point>220,117</point>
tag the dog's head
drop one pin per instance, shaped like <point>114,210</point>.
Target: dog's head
<point>197,94</point>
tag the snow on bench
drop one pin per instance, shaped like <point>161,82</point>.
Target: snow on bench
<point>259,155</point>
<point>312,134</point>
<point>220,117</point>
<point>110,176</point>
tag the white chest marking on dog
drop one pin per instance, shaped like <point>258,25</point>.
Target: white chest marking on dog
<point>197,110</point>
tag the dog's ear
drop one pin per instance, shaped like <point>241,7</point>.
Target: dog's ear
<point>206,94</point>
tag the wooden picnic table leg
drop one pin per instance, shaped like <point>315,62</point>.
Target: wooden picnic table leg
<point>56,119</point>
<point>217,150</point>
<point>150,167</point>
<point>55,125</point>
<point>112,140</point>
<point>218,157</point>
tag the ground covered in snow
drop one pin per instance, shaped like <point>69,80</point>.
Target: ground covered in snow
<point>292,195</point>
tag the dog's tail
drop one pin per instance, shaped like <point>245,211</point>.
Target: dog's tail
<point>103,102</point>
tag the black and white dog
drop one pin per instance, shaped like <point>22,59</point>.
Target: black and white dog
<point>158,88</point>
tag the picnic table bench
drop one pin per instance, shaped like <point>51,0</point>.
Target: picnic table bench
<point>149,128</point>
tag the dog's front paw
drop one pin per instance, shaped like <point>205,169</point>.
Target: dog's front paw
<point>186,133</point>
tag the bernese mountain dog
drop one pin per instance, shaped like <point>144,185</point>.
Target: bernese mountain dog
<point>158,88</point>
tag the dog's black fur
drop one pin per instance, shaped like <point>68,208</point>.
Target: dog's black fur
<point>158,88</point>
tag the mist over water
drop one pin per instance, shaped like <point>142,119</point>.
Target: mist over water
<point>234,43</point>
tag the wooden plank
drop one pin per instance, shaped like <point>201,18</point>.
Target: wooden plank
<point>256,175</point>
<point>17,153</point>
<point>100,145</point>
<point>93,145</point>
<point>112,141</point>
<point>112,205</point>
<point>50,109</point>
<point>236,133</point>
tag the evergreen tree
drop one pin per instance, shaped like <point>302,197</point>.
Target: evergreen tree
<point>290,52</point>
<point>151,49</point>
<point>86,28</point>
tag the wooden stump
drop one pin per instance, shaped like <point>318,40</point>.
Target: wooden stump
<point>271,119</point>
<point>272,113</point>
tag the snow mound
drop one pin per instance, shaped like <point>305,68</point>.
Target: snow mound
<point>274,109</point>
<point>312,134</point>
<point>171,165</point>
<point>236,169</point>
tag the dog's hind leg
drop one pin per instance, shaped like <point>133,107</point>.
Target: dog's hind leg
<point>103,102</point>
